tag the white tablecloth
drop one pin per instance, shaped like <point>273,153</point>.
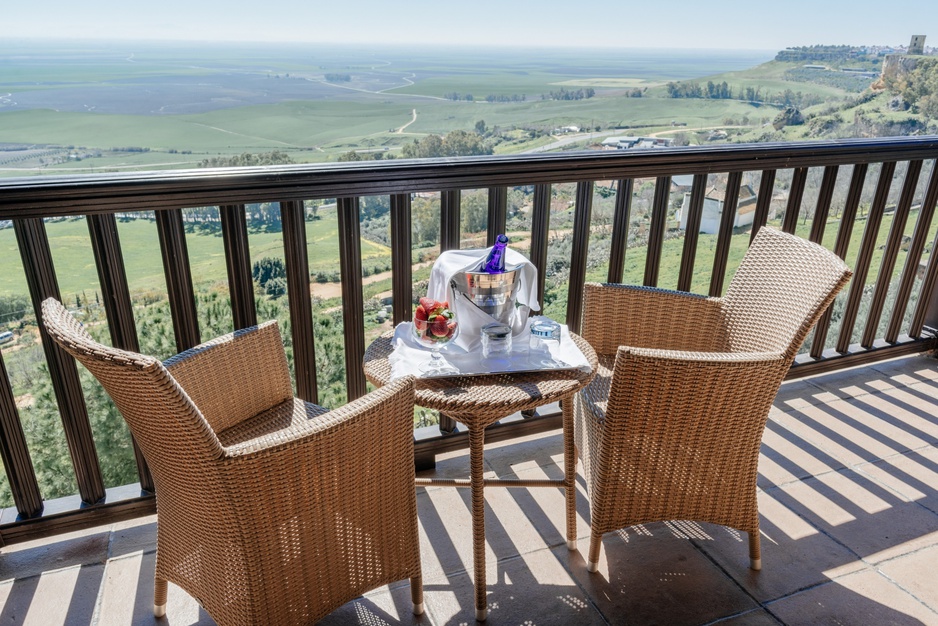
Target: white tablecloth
<point>409,355</point>
<point>471,319</point>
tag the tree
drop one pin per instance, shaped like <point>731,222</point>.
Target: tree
<point>267,269</point>
<point>463,143</point>
<point>455,143</point>
<point>247,159</point>
<point>425,222</point>
<point>474,212</point>
<point>480,127</point>
<point>276,287</point>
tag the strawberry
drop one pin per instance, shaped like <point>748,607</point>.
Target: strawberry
<point>421,325</point>
<point>438,327</point>
<point>420,313</point>
<point>429,304</point>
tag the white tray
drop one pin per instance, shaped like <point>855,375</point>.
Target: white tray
<point>409,355</point>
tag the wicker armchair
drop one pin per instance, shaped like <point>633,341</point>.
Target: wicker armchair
<point>270,510</point>
<point>671,426</point>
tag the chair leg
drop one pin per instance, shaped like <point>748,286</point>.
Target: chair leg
<point>159,597</point>
<point>592,561</point>
<point>416,594</point>
<point>477,482</point>
<point>569,469</point>
<point>755,551</point>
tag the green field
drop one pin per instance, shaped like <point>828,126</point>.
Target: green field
<point>184,104</point>
<point>76,273</point>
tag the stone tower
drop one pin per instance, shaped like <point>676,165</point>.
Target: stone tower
<point>917,45</point>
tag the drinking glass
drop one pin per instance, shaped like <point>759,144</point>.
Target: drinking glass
<point>434,334</point>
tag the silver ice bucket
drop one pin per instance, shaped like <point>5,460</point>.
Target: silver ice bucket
<point>494,294</point>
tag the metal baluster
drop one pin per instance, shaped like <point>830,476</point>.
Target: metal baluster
<point>296,260</point>
<point>234,230</point>
<point>725,235</point>
<point>620,230</point>
<point>353,315</point>
<point>692,232</point>
<point>581,237</point>
<point>659,214</point>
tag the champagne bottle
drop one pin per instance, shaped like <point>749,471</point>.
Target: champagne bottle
<point>494,263</point>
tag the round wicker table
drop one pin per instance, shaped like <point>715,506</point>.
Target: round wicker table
<point>480,400</point>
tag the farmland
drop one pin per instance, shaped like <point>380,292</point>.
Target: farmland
<point>145,106</point>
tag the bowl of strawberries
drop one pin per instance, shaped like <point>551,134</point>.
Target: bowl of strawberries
<point>435,326</point>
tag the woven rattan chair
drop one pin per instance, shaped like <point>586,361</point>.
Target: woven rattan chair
<point>670,427</point>
<point>270,510</point>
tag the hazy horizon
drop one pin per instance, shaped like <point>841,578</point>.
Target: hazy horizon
<point>591,24</point>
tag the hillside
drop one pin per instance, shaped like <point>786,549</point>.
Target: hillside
<point>860,102</point>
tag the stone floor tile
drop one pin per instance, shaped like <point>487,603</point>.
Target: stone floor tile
<point>531,451</point>
<point>862,598</point>
<point>63,596</point>
<point>127,596</point>
<point>863,515</point>
<point>386,606</point>
<point>446,528</point>
<point>847,383</point>
<point>925,390</point>
<point>758,617</point>
<point>452,465</point>
<point>535,588</point>
<point>795,554</point>
<point>786,456</point>
<point>650,574</point>
<point>848,432</point>
<point>797,394</point>
<point>908,369</point>
<point>916,574</point>
<point>22,560</point>
<point>137,535</point>
<point>545,507</point>
<point>900,417</point>
<point>914,475</point>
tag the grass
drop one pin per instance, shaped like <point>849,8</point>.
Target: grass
<point>329,119</point>
<point>76,273</point>
<point>317,131</point>
<point>240,129</point>
<point>672,250</point>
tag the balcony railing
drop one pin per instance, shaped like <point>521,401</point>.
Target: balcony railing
<point>887,183</point>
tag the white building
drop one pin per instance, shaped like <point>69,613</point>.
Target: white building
<point>628,143</point>
<point>713,210</point>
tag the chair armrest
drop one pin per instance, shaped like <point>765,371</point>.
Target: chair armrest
<point>235,376</point>
<point>627,315</point>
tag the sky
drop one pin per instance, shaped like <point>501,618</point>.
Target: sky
<point>718,24</point>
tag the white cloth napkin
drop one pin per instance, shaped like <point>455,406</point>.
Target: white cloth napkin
<point>470,318</point>
<point>409,354</point>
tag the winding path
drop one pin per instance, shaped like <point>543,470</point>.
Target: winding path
<point>400,130</point>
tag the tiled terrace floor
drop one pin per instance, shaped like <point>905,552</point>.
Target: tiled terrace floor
<point>849,503</point>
